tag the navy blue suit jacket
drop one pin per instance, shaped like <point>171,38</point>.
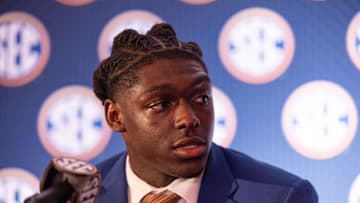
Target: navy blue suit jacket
<point>230,177</point>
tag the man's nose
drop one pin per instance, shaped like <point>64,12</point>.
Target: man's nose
<point>185,116</point>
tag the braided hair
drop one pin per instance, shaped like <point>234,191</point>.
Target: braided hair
<point>131,51</point>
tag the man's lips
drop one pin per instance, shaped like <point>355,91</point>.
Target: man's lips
<point>190,147</point>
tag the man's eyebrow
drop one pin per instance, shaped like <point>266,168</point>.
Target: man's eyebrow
<point>198,80</point>
<point>157,88</point>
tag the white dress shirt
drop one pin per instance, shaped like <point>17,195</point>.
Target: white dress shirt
<point>188,188</point>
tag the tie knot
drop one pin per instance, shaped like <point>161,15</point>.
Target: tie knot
<point>161,197</point>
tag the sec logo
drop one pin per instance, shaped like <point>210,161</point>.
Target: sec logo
<point>256,45</point>
<point>198,2</point>
<point>139,20</point>
<point>225,118</point>
<point>319,119</point>
<point>353,40</point>
<point>354,195</point>
<point>71,123</point>
<point>75,2</point>
<point>16,185</point>
<point>24,48</point>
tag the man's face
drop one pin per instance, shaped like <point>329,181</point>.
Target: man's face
<point>167,120</point>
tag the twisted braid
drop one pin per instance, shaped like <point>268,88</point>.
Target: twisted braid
<point>132,50</point>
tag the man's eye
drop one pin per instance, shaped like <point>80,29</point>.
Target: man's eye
<point>204,99</point>
<point>160,106</point>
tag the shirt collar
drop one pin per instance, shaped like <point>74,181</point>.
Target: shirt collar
<point>187,188</point>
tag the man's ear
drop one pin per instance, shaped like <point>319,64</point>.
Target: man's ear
<point>114,115</point>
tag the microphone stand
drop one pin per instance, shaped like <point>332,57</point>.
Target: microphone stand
<point>59,193</point>
<point>68,180</point>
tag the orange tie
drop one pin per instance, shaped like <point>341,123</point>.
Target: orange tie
<point>161,197</point>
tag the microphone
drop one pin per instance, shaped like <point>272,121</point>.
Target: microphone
<point>68,180</point>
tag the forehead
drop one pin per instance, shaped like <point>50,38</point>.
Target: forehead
<point>164,69</point>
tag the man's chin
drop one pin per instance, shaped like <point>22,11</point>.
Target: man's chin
<point>190,170</point>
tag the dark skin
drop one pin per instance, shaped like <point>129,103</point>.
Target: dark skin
<point>166,120</point>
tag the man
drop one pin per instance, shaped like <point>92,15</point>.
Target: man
<point>156,92</point>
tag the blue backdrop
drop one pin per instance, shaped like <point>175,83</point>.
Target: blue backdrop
<point>49,49</point>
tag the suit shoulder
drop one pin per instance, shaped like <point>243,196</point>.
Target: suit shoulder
<point>248,168</point>
<point>267,180</point>
<point>104,166</point>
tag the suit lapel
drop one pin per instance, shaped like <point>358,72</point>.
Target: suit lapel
<point>217,184</point>
<point>114,183</point>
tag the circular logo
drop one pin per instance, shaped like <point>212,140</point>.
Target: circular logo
<point>256,45</point>
<point>24,48</point>
<point>74,166</point>
<point>139,20</point>
<point>75,2</point>
<point>72,123</point>
<point>319,119</point>
<point>16,185</point>
<point>225,118</point>
<point>354,195</point>
<point>353,40</point>
<point>198,2</point>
